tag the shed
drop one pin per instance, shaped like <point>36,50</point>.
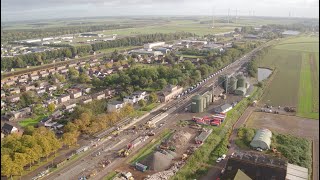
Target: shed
<point>262,139</point>
<point>223,109</point>
<point>202,136</point>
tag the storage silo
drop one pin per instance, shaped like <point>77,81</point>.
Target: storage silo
<point>232,84</point>
<point>196,104</point>
<point>222,81</point>
<point>207,97</point>
<point>204,101</point>
<point>241,82</point>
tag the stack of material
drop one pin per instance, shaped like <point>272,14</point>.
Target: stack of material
<point>158,161</point>
<point>164,175</point>
<point>181,138</point>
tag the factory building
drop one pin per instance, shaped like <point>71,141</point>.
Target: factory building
<point>201,102</point>
<point>152,45</point>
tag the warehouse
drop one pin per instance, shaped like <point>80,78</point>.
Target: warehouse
<point>150,53</point>
<point>295,172</point>
<point>155,44</point>
<point>262,139</point>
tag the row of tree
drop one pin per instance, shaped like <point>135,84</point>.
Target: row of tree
<point>34,59</point>
<point>21,34</point>
<point>252,66</point>
<point>17,151</point>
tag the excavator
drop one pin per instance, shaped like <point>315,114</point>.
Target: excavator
<point>124,152</point>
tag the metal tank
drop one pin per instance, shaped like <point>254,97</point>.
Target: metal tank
<point>196,104</point>
<point>232,84</point>
<point>222,81</point>
<point>241,82</point>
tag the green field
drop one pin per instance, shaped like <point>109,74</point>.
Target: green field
<point>296,82</point>
<point>31,121</point>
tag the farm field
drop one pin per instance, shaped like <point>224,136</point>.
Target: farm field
<point>296,82</point>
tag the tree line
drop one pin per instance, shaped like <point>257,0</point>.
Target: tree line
<point>18,152</point>
<point>252,66</point>
<point>34,59</point>
<point>21,34</point>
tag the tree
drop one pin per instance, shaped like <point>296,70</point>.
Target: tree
<point>38,109</point>
<point>28,130</point>
<point>173,81</point>
<point>127,110</point>
<point>161,83</point>
<point>51,107</point>
<point>84,78</point>
<point>7,165</point>
<point>142,103</point>
<point>73,73</point>
<point>70,138</point>
<point>153,97</point>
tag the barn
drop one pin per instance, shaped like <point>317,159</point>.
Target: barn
<point>262,139</point>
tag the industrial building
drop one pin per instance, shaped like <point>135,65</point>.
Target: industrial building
<point>201,102</point>
<point>155,44</point>
<point>142,51</point>
<point>262,139</point>
<point>237,85</point>
<point>169,92</point>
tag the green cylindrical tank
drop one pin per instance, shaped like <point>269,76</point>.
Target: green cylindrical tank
<point>232,84</point>
<point>196,104</point>
<point>222,81</point>
<point>241,82</point>
<point>207,96</point>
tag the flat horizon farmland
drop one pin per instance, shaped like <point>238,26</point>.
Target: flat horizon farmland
<point>296,82</point>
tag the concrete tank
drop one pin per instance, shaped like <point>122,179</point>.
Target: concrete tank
<point>196,104</point>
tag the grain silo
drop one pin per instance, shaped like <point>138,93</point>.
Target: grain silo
<point>197,104</point>
<point>241,82</point>
<point>204,101</point>
<point>222,81</point>
<point>232,84</point>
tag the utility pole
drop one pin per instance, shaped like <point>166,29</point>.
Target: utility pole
<point>236,15</point>
<point>212,18</point>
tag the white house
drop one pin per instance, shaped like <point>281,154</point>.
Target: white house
<point>115,106</point>
<point>135,97</point>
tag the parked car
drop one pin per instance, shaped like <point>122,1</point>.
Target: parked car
<point>223,156</point>
<point>218,160</point>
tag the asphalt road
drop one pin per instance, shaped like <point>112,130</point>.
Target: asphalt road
<point>77,168</point>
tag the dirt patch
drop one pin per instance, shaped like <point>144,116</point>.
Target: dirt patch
<point>294,125</point>
<point>180,138</point>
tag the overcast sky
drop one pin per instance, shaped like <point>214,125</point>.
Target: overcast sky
<point>15,10</point>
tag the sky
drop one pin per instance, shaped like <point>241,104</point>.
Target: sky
<point>19,10</point>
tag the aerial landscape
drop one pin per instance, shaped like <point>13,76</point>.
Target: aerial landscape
<point>147,90</point>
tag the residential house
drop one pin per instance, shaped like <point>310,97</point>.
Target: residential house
<point>13,98</point>
<point>40,91</point>
<point>51,88</point>
<point>20,113</point>
<point>69,107</point>
<point>10,83</point>
<point>135,97</point>
<point>51,101</point>
<point>63,71</point>
<point>60,67</point>
<point>9,129</point>
<point>28,87</point>
<point>72,65</point>
<point>64,98</point>
<point>3,94</point>
<point>34,78</point>
<point>22,80</point>
<point>98,96</point>
<point>169,92</point>
<point>75,93</point>
<point>14,91</point>
<point>43,75</point>
<point>86,100</point>
<point>114,106</point>
<point>57,114</point>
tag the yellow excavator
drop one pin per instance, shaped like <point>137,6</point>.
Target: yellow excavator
<point>150,125</point>
<point>124,152</point>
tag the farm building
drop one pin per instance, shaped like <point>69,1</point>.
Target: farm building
<point>296,172</point>
<point>262,139</point>
<point>202,136</point>
<point>223,109</point>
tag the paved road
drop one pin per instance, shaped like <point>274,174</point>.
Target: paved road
<point>76,168</point>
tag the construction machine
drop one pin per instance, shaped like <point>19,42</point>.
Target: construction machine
<point>150,125</point>
<point>124,152</point>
